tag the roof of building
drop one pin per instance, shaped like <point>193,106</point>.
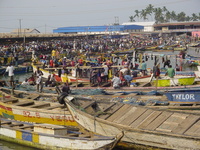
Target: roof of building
<point>25,30</point>
<point>150,23</point>
<point>108,28</point>
<point>178,23</point>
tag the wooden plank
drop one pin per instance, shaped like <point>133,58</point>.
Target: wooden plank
<point>159,120</point>
<point>186,124</point>
<point>16,124</point>
<point>128,114</point>
<point>87,104</point>
<point>13,100</point>
<point>149,119</point>
<point>133,115</point>
<point>111,111</point>
<point>194,130</point>
<point>54,107</point>
<point>40,105</point>
<point>141,118</point>
<point>26,126</point>
<point>25,103</point>
<point>119,113</point>
<point>172,122</point>
<point>107,107</point>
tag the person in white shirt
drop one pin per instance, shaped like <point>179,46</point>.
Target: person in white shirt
<point>39,83</point>
<point>10,69</point>
<point>116,82</point>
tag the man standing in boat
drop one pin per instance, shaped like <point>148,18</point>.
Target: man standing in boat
<point>39,82</point>
<point>10,69</point>
<point>171,73</point>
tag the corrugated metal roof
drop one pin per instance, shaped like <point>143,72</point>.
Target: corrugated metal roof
<point>97,28</point>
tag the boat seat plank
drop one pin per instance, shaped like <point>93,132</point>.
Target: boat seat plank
<point>54,107</point>
<point>141,118</point>
<point>172,122</point>
<point>13,100</point>
<point>159,120</point>
<point>194,130</point>
<point>149,119</point>
<point>16,124</point>
<point>87,104</point>
<point>40,105</point>
<point>186,124</point>
<point>134,114</point>
<point>24,103</point>
<point>107,107</point>
<point>5,122</point>
<point>33,97</point>
<point>111,111</point>
<point>119,113</point>
<point>26,126</point>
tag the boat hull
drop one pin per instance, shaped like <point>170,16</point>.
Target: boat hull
<point>177,80</point>
<point>55,116</point>
<point>184,96</point>
<point>63,77</point>
<point>45,138</point>
<point>143,126</point>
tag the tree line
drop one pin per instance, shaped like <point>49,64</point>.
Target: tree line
<point>162,15</point>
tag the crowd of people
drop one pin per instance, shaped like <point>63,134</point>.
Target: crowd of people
<point>93,52</point>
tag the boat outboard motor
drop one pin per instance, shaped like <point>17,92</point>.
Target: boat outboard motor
<point>61,97</point>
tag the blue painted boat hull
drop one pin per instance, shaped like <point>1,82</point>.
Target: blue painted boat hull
<point>184,96</point>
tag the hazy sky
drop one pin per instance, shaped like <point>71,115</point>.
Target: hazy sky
<point>46,15</point>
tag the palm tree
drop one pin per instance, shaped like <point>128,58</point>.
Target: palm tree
<point>164,9</point>
<point>131,19</point>
<point>173,15</point>
<point>149,10</point>
<point>181,16</point>
<point>158,15</point>
<point>137,14</point>
<point>143,14</point>
<point>188,18</point>
<point>167,16</point>
<point>194,17</point>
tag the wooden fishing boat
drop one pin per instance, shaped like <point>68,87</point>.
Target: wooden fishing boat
<point>183,96</point>
<point>64,77</point>
<point>51,137</point>
<point>165,81</point>
<point>177,80</point>
<point>141,125</point>
<point>30,109</point>
<point>180,48</point>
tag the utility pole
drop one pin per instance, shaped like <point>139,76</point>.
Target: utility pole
<point>19,33</point>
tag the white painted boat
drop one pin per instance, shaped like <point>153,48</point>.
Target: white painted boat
<point>51,137</point>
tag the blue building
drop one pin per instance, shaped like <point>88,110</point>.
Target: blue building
<point>99,29</point>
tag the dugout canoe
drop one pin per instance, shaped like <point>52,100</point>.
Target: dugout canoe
<point>51,137</point>
<point>30,109</point>
<point>141,125</point>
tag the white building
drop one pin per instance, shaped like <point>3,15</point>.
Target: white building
<point>148,26</point>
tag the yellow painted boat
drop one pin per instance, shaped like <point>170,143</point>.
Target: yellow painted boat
<point>34,111</point>
<point>176,81</point>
